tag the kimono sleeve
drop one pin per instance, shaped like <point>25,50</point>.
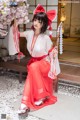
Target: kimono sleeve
<point>54,64</point>
<point>26,33</point>
<point>49,43</point>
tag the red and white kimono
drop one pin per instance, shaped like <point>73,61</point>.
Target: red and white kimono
<point>38,84</point>
<point>13,41</point>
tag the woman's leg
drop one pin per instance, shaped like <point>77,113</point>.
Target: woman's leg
<point>38,85</point>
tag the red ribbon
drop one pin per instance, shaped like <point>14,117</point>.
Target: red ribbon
<point>51,13</point>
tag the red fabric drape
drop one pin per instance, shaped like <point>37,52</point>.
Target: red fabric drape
<point>38,85</point>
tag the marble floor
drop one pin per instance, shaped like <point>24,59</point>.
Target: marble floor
<point>67,107</point>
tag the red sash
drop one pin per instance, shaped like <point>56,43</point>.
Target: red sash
<point>34,59</point>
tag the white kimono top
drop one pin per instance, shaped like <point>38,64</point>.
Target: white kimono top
<point>42,46</point>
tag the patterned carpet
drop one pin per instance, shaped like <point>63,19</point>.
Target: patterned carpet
<point>11,93</point>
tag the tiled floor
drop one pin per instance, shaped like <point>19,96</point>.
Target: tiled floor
<point>66,108</point>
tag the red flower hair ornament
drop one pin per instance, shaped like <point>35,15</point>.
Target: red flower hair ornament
<point>51,14</point>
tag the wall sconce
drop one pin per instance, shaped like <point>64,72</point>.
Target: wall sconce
<point>63,18</point>
<point>63,3</point>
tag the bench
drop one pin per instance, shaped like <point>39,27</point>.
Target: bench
<point>20,67</point>
<point>17,66</point>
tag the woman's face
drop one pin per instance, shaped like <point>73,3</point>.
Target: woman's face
<point>37,24</point>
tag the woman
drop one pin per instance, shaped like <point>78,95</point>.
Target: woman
<point>38,89</point>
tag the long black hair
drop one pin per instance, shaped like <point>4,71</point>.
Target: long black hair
<point>42,17</point>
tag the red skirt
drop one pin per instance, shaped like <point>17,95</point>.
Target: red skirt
<point>38,85</point>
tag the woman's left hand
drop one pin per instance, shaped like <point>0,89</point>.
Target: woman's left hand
<point>53,52</point>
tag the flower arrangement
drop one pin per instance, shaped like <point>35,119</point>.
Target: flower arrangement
<point>10,9</point>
